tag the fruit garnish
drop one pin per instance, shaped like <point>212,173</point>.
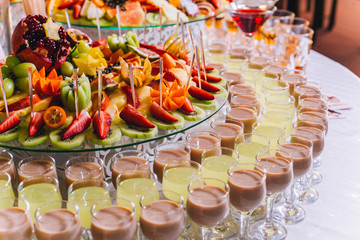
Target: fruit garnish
<point>23,103</point>
<point>129,95</point>
<point>161,114</point>
<point>141,76</point>
<point>175,46</point>
<point>205,85</point>
<point>187,106</point>
<point>68,96</point>
<point>46,85</point>
<point>31,42</point>
<point>75,35</point>
<point>168,61</point>
<point>89,63</point>
<point>209,77</point>
<point>173,96</point>
<point>200,94</point>
<point>54,117</point>
<point>10,122</point>
<point>36,123</point>
<point>168,75</point>
<point>130,115</point>
<point>80,124</point>
<point>101,124</point>
<point>104,101</point>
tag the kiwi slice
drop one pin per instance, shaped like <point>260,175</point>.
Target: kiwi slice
<point>74,141</point>
<point>204,104</point>
<point>103,22</point>
<point>136,132</point>
<point>214,72</point>
<point>11,134</point>
<point>196,115</point>
<point>220,94</point>
<point>153,18</point>
<point>168,126</point>
<point>222,83</point>
<point>40,137</point>
<point>113,136</point>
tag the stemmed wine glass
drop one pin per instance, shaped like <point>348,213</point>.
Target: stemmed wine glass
<point>249,19</point>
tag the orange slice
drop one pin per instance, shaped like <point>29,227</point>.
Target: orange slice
<point>54,117</point>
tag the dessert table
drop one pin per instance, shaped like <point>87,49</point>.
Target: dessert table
<point>335,215</point>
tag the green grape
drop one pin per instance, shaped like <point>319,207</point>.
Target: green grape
<point>81,55</point>
<point>9,87</point>
<point>12,61</point>
<point>22,84</point>
<point>67,69</point>
<point>21,70</point>
<point>75,52</point>
<point>83,47</point>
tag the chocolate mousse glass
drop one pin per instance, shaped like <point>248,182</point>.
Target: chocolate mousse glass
<point>39,165</point>
<point>246,115</point>
<point>300,148</point>
<point>77,168</point>
<point>228,130</point>
<point>208,204</point>
<point>236,88</point>
<point>247,191</point>
<point>130,164</point>
<point>200,141</point>
<point>58,220</point>
<point>279,175</point>
<point>162,217</point>
<point>7,165</point>
<point>15,220</point>
<point>292,77</point>
<point>115,221</point>
<point>307,87</point>
<point>246,100</point>
<point>170,154</point>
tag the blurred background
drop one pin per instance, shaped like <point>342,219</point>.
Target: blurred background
<point>337,30</point>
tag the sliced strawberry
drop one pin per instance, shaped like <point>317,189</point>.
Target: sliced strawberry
<point>149,7</point>
<point>129,94</point>
<point>130,115</point>
<point>207,68</point>
<point>216,3</point>
<point>187,106</point>
<point>66,4</point>
<point>76,10</point>
<point>23,103</point>
<point>10,122</point>
<point>36,123</point>
<point>161,114</point>
<point>101,124</point>
<point>169,76</point>
<point>205,85</point>
<point>209,77</point>
<point>80,124</point>
<point>98,43</point>
<point>200,94</point>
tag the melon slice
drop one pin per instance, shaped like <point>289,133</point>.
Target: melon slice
<point>133,16</point>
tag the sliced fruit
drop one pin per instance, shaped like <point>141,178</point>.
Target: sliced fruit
<point>205,85</point>
<point>79,125</point>
<point>36,123</point>
<point>41,137</point>
<point>10,122</point>
<point>133,16</point>
<point>129,95</point>
<point>23,103</point>
<point>210,78</point>
<point>71,142</point>
<point>132,131</point>
<point>221,94</point>
<point>130,115</point>
<point>101,124</point>
<point>54,117</point>
<point>187,106</point>
<point>161,114</point>
<point>169,125</point>
<point>145,53</point>
<point>168,61</point>
<point>11,134</point>
<point>113,136</point>
<point>200,94</point>
<point>48,85</point>
<point>196,115</point>
<point>222,83</point>
<point>9,87</point>
<point>204,104</point>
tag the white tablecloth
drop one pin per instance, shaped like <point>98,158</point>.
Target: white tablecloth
<point>336,214</point>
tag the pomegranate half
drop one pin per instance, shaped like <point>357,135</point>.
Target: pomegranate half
<point>41,42</point>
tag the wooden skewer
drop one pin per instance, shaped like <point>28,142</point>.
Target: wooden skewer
<point>75,82</point>
<point>191,37</point>
<point>30,90</point>
<point>145,26</point>
<point>132,84</point>
<point>118,19</point>
<point>191,67</point>
<point>182,32</point>
<point>198,64</point>
<point>99,91</point>
<point>67,18</point>
<point>161,80</point>
<point>98,23</point>
<point>203,54</point>
<point>177,23</point>
<point>3,94</point>
<point>160,18</point>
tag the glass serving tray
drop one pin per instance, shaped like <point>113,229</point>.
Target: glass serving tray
<point>125,141</point>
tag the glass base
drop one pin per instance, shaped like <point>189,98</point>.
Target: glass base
<point>317,162</point>
<point>260,231</point>
<point>315,177</point>
<point>288,214</point>
<point>307,197</point>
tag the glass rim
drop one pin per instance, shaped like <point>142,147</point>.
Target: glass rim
<point>254,96</point>
<point>132,210</point>
<point>192,163</point>
<point>316,85</point>
<point>180,203</point>
<point>227,149</point>
<point>152,177</point>
<point>289,161</point>
<point>51,180</point>
<point>191,135</point>
<point>37,215</point>
<point>214,122</point>
<point>103,184</point>
<point>269,109</point>
<point>69,164</point>
<point>15,201</point>
<point>183,145</point>
<point>313,110</point>
<point>249,135</point>
<point>322,130</point>
<point>257,123</point>
<point>228,109</point>
<point>226,186</point>
<point>310,147</point>
<point>282,11</point>
<point>11,159</point>
<point>289,97</point>
<point>41,157</point>
<point>259,169</point>
<point>264,86</point>
<point>8,181</point>
<point>269,9</point>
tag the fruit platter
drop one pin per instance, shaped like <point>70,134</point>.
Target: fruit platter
<point>133,13</point>
<point>61,91</point>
